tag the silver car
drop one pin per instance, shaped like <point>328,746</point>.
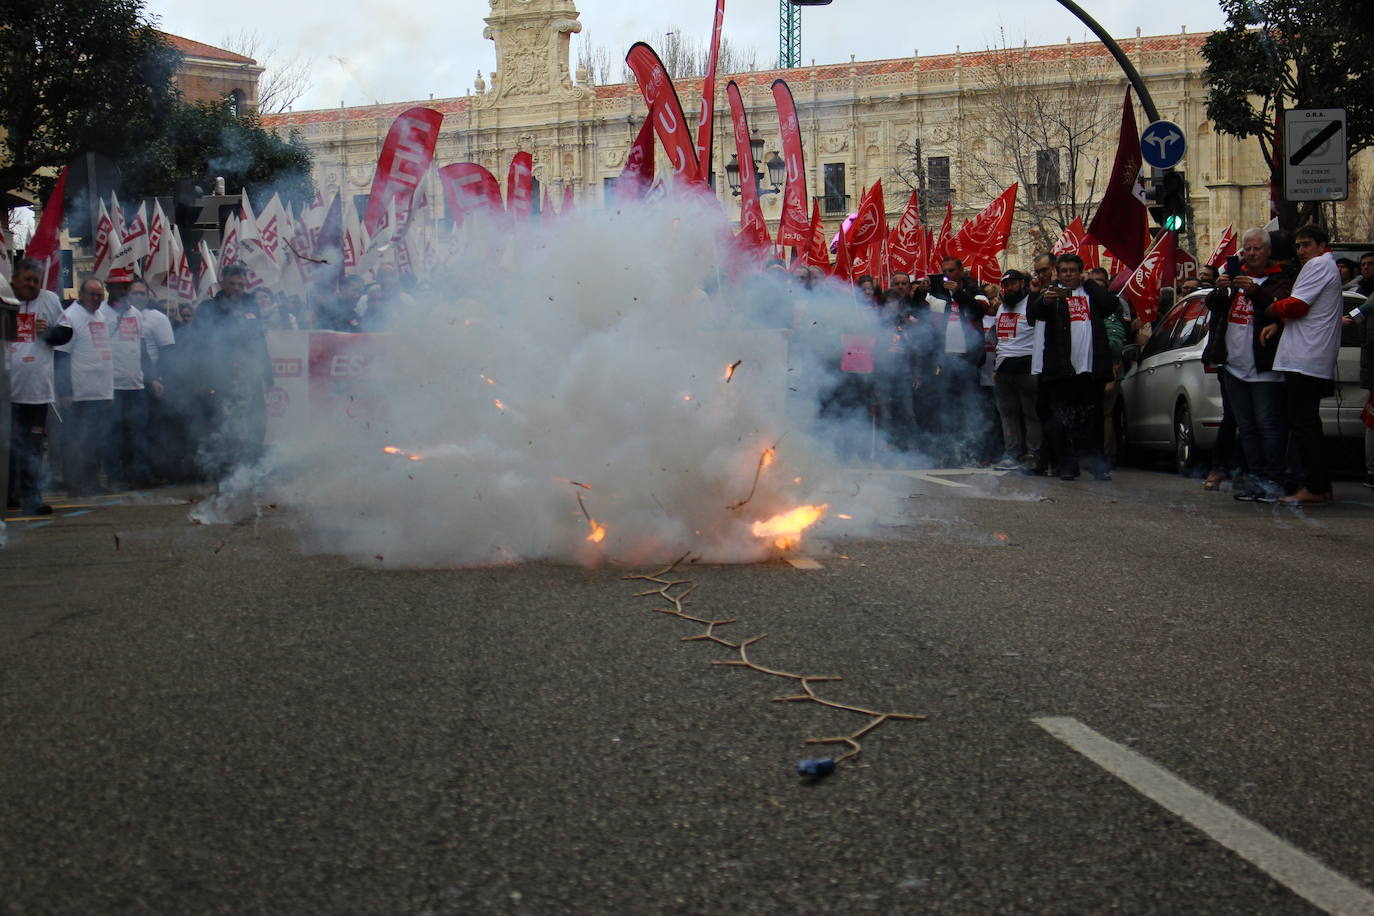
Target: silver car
<point>1171,402</point>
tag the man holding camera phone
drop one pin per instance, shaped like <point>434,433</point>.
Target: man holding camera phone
<point>1239,307</point>
<point>1074,362</point>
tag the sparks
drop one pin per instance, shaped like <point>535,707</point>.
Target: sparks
<point>730,370</point>
<point>598,533</point>
<point>844,516</point>
<point>499,404</point>
<point>391,450</point>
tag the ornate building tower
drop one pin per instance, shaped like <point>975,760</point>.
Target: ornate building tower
<point>532,38</point>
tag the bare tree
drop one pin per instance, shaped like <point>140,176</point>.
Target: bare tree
<point>683,57</point>
<point>1044,122</point>
<point>285,78</point>
<point>1036,122</point>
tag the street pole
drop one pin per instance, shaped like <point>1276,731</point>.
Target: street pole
<point>1132,73</point>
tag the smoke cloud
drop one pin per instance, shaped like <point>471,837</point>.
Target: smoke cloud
<point>565,397</point>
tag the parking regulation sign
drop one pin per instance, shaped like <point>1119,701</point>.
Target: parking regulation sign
<point>1314,154</point>
<point>1162,145</point>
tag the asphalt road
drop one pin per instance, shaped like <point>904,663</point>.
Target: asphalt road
<point>213,720</point>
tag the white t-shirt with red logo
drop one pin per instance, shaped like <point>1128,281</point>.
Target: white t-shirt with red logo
<point>1015,335</point>
<point>1240,339</point>
<point>92,359</point>
<point>29,360</point>
<point>1309,344</point>
<point>126,342</point>
<point>954,329</point>
<point>1080,330</point>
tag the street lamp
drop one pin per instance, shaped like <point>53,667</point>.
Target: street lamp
<point>777,169</point>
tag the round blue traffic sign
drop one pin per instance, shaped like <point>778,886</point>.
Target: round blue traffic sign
<point>1162,145</point>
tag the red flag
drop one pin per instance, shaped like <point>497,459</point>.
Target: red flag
<point>470,188</point>
<point>569,205</point>
<point>866,233</point>
<point>706,121</point>
<point>1142,290</point>
<point>941,250</point>
<point>1122,222</point>
<point>638,173</point>
<point>664,110</point>
<point>1072,239</point>
<point>520,187</point>
<point>795,226</point>
<point>46,244</point>
<point>905,244</point>
<point>817,251</point>
<point>1225,248</point>
<point>982,237</point>
<point>1091,253</point>
<point>406,155</point>
<point>751,224</point>
<point>843,269</point>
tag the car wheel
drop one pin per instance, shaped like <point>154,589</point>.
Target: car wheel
<point>1185,445</point>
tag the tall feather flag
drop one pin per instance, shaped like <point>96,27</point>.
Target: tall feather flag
<point>520,188</point>
<point>638,173</point>
<point>794,225</point>
<point>752,228</point>
<point>818,251</point>
<point>665,111</point>
<point>404,160</point>
<point>706,119</point>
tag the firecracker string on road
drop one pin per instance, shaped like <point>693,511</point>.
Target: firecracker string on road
<point>675,591</point>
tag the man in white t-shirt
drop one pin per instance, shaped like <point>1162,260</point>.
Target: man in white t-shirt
<point>126,454</point>
<point>1012,381</point>
<point>1306,356</point>
<point>29,364</point>
<point>159,339</point>
<point>85,383</point>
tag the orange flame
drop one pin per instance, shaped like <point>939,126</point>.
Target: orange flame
<point>598,533</point>
<point>391,450</point>
<point>730,370</point>
<point>769,456</point>
<point>786,529</point>
<point>499,405</point>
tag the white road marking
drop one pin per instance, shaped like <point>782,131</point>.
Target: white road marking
<point>1307,877</point>
<point>801,562</point>
<point>928,478</point>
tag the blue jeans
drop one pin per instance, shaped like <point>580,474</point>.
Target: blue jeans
<point>1260,426</point>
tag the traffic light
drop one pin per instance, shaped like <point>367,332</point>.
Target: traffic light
<point>1172,201</point>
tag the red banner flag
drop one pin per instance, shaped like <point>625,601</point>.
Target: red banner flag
<point>470,188</point>
<point>664,110</point>
<point>818,250</point>
<point>1142,290</point>
<point>795,226</point>
<point>46,244</point>
<point>751,224</point>
<point>1225,248</point>
<point>1091,253</point>
<point>520,188</point>
<point>406,155</point>
<point>981,238</point>
<point>866,233</point>
<point>706,121</point>
<point>905,245</point>
<point>843,269</point>
<point>941,250</point>
<point>569,205</point>
<point>1072,239</point>
<point>1121,222</point>
<point>638,174</point>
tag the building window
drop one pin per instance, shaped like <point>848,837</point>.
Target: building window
<point>835,199</point>
<point>608,190</point>
<point>535,203</point>
<point>236,106</point>
<point>1047,174</point>
<point>938,189</point>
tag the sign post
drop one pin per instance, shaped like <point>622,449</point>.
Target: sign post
<point>1314,154</point>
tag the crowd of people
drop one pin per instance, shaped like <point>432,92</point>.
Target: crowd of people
<point>115,391</point>
<point>1020,375</point>
<point>1024,374</point>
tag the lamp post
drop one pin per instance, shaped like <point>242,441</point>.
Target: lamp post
<point>777,169</point>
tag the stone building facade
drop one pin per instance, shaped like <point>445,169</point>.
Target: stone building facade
<point>861,121</point>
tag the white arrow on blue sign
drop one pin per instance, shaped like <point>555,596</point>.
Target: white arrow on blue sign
<point>1162,145</point>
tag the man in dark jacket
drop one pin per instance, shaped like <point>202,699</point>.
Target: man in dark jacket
<point>1238,307</point>
<point>1074,363</point>
<point>959,329</point>
<point>234,372</point>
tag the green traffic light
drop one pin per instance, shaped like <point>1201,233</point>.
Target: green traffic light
<point>1173,222</point>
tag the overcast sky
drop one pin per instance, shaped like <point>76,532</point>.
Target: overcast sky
<point>402,52</point>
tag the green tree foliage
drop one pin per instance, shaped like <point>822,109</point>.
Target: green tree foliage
<point>1275,55</point>
<point>207,141</point>
<point>78,75</point>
